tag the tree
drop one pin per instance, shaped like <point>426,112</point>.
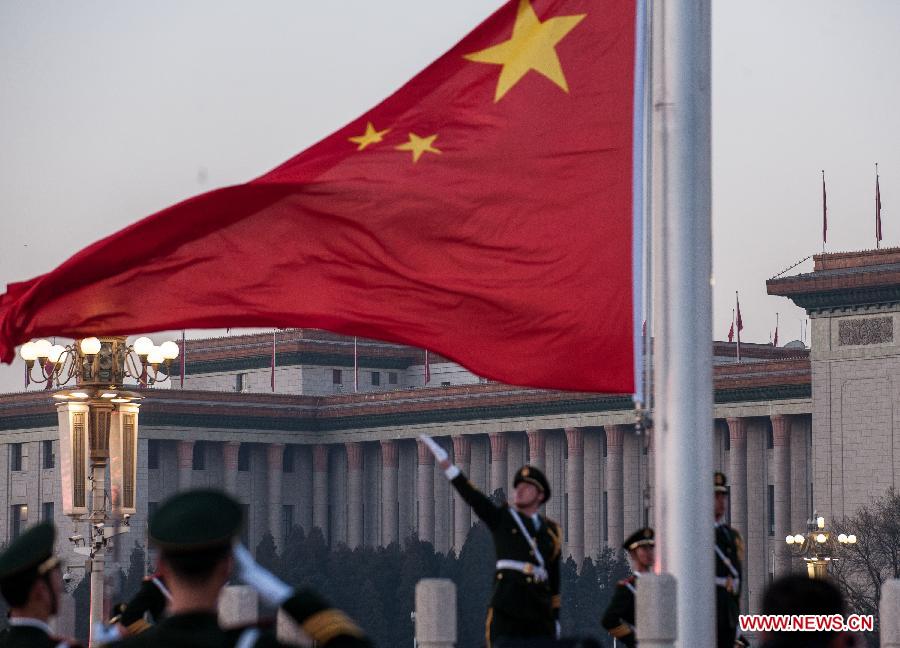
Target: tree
<point>862,568</point>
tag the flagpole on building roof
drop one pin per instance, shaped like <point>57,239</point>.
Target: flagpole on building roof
<point>682,268</point>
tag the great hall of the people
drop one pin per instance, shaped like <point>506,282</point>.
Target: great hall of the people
<point>796,429</point>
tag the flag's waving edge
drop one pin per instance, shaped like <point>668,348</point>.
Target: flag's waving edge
<point>484,210</point>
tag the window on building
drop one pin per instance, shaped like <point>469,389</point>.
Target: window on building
<point>771,512</point>
<point>153,454</point>
<point>287,460</point>
<point>337,377</point>
<point>565,516</point>
<point>445,383</point>
<point>376,378</point>
<point>770,437</point>
<point>603,441</point>
<point>49,457</point>
<point>18,520</point>
<point>392,377</point>
<point>646,516</point>
<point>727,440</point>
<point>15,456</point>
<point>240,382</point>
<point>287,520</point>
<point>198,461</point>
<point>47,512</point>
<point>244,459</point>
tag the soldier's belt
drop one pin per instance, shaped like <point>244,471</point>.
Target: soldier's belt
<point>730,584</point>
<point>527,568</point>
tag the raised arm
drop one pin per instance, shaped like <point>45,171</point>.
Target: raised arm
<point>484,508</point>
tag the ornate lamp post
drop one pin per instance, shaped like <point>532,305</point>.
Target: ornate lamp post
<point>818,547</point>
<point>98,429</point>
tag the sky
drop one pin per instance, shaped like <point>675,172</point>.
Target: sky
<point>110,111</point>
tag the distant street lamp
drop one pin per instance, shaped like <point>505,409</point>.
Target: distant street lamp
<point>98,427</point>
<point>818,547</point>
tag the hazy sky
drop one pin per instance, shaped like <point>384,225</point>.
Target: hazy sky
<point>110,111</point>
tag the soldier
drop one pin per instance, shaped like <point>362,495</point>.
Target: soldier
<point>729,558</point>
<point>195,533</point>
<point>150,601</point>
<point>525,602</point>
<point>619,616</point>
<point>31,583</point>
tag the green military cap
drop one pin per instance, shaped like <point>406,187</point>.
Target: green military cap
<point>32,551</point>
<point>640,538</point>
<point>534,476</point>
<point>196,520</point>
<point>721,482</point>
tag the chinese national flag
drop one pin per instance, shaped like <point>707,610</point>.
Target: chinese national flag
<point>483,210</point>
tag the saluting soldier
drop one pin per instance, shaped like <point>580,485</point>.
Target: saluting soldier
<point>144,609</point>
<point>31,584</point>
<point>195,533</point>
<point>619,616</point>
<point>525,601</point>
<point>729,570</point>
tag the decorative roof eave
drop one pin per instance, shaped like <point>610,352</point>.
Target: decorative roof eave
<point>819,301</point>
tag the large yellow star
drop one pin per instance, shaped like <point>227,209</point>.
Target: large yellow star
<point>371,136</point>
<point>418,146</point>
<point>532,47</point>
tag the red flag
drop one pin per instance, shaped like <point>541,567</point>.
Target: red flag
<point>483,210</point>
<point>740,324</point>
<point>775,340</point>
<point>427,368</point>
<point>877,210</point>
<point>731,332</point>
<point>824,211</point>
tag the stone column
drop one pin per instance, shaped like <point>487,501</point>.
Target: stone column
<point>651,477</point>
<point>185,464</point>
<point>390,462</point>
<point>782,483</point>
<point>443,525</point>
<point>275,459</point>
<point>354,494</point>
<point>425,492</point>
<point>230,451</point>
<point>593,492</point>
<point>737,479</point>
<point>631,482</point>
<point>498,463</point>
<point>435,613</point>
<point>537,448</point>
<point>575,494</point>
<point>320,488</point>
<point>462,514</point>
<point>615,436</point>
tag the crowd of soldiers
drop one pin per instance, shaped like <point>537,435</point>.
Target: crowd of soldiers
<point>195,533</point>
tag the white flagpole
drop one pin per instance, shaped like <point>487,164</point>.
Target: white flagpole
<point>683,308</point>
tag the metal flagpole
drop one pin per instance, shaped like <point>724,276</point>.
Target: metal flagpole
<point>683,309</point>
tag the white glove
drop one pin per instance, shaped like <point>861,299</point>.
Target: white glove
<point>271,589</point>
<point>103,634</point>
<point>558,630</point>
<point>439,453</point>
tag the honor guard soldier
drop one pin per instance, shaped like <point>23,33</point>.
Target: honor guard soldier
<point>195,533</point>
<point>144,609</point>
<point>619,616</point>
<point>729,550</point>
<point>31,584</point>
<point>525,601</point>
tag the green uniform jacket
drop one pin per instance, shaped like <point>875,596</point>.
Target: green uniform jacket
<point>619,616</point>
<point>29,637</point>
<point>516,594</point>
<point>330,628</point>
<point>728,599</point>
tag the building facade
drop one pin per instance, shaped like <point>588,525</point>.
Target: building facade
<point>796,431</point>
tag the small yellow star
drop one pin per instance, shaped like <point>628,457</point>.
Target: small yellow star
<point>371,136</point>
<point>418,145</point>
<point>532,47</point>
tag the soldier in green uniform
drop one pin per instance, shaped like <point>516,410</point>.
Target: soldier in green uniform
<point>729,550</point>
<point>619,616</point>
<point>525,601</point>
<point>150,601</point>
<point>195,533</point>
<point>31,584</point>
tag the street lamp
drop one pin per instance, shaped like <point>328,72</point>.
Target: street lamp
<point>818,547</point>
<point>98,428</point>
